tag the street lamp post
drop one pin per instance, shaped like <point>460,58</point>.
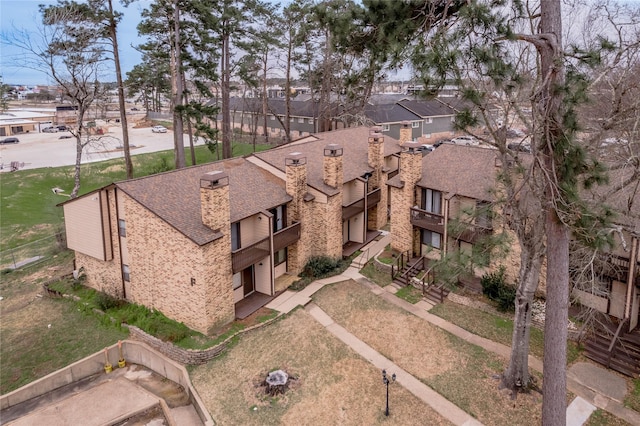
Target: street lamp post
<point>386,381</point>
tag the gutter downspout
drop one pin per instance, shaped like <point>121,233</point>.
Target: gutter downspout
<point>630,277</point>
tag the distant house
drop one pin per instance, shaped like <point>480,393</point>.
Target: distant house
<point>15,122</point>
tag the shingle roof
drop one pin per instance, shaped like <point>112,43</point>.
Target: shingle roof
<point>464,170</point>
<point>389,113</point>
<point>354,142</point>
<point>427,108</point>
<point>175,196</point>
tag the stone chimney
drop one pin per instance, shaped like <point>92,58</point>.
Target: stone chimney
<point>332,173</point>
<point>405,133</point>
<point>296,185</point>
<point>411,164</point>
<point>214,200</point>
<point>375,157</point>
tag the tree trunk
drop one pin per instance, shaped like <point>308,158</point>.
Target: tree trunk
<point>549,105</point>
<point>121,104</point>
<point>516,376</point>
<point>226,87</point>
<point>265,101</point>
<point>176,72</point>
<point>192,149</point>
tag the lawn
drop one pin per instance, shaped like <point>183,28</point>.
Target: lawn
<point>463,373</point>
<point>28,207</point>
<point>495,327</point>
<point>332,385</point>
<point>39,335</point>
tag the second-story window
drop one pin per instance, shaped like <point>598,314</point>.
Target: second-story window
<point>385,127</point>
<point>432,201</point>
<point>415,124</point>
<point>235,236</point>
<point>279,217</point>
<point>122,228</point>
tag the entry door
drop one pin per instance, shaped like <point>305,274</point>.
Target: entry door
<point>618,296</point>
<point>247,281</point>
<point>635,308</point>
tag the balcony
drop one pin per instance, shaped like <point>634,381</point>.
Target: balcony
<point>247,256</point>
<point>373,198</point>
<point>285,237</point>
<point>427,220</point>
<point>352,209</point>
<point>473,233</point>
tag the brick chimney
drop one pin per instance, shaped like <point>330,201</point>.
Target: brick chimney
<point>405,133</point>
<point>296,185</point>
<point>332,173</point>
<point>375,157</point>
<point>411,163</point>
<point>214,200</point>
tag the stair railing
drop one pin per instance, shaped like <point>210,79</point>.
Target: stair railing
<point>417,266</point>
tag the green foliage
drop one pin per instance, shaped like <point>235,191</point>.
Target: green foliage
<point>105,302</point>
<point>495,288</point>
<point>162,166</point>
<point>319,266</point>
<point>410,294</point>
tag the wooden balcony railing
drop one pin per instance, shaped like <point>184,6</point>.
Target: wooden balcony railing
<point>247,256</point>
<point>373,197</point>
<point>473,233</point>
<point>427,220</point>
<point>285,237</point>
<point>352,209</point>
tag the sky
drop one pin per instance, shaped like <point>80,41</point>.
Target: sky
<point>24,14</point>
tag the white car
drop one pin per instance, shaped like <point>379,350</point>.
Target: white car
<point>465,140</point>
<point>159,129</point>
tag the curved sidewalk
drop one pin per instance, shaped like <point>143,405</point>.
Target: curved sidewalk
<point>575,383</point>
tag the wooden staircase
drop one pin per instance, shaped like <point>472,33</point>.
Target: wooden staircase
<point>615,349</point>
<point>407,268</point>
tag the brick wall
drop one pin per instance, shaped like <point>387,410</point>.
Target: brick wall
<point>402,199</point>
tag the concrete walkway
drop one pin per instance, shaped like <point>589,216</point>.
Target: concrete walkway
<point>580,380</point>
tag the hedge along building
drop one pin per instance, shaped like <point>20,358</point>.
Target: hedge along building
<point>208,243</point>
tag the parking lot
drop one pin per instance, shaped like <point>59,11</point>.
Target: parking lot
<point>36,150</point>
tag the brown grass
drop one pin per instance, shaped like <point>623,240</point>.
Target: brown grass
<point>333,385</point>
<point>465,374</point>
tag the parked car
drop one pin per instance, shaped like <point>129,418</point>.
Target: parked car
<point>425,148</point>
<point>62,128</point>
<point>134,109</point>
<point>440,142</point>
<point>520,147</point>
<point>159,129</point>
<point>465,140</point>
<point>50,130</point>
<point>9,140</point>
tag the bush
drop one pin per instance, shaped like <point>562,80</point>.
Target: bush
<point>495,288</point>
<point>318,266</point>
<point>106,302</point>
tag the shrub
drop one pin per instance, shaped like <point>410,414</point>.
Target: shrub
<point>106,302</point>
<point>319,266</point>
<point>495,288</point>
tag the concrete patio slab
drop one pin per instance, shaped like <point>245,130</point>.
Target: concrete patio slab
<point>579,411</point>
<point>602,381</point>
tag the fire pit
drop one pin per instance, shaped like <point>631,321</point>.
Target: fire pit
<point>276,382</point>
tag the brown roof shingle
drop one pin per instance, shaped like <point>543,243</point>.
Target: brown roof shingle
<point>175,196</point>
<point>354,142</point>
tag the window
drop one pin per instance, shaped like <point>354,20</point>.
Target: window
<point>300,120</point>
<point>126,273</point>
<point>122,228</point>
<point>432,201</point>
<point>279,217</point>
<point>273,117</point>
<point>428,120</point>
<point>385,127</point>
<point>427,135</point>
<point>235,236</point>
<point>280,257</point>
<point>431,238</point>
<point>291,119</point>
<point>311,121</point>
<point>415,124</point>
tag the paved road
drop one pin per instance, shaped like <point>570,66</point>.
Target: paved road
<point>38,150</point>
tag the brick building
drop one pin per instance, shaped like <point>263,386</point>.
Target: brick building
<point>210,243</point>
